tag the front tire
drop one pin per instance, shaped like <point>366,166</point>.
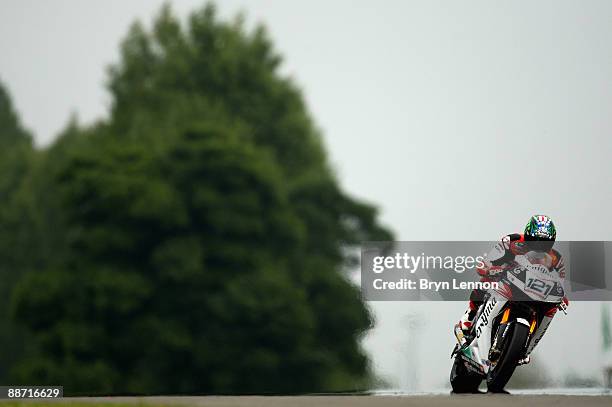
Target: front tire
<point>512,352</point>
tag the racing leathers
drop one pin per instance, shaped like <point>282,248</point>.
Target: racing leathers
<point>500,259</point>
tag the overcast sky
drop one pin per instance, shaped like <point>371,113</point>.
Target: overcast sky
<point>459,119</point>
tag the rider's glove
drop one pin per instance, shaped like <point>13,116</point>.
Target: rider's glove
<point>490,271</point>
<point>495,270</point>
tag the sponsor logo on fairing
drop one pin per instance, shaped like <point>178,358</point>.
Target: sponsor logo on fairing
<point>485,316</point>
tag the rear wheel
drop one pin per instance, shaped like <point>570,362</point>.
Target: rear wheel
<point>462,380</point>
<point>511,353</point>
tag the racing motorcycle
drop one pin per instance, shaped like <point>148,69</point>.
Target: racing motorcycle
<point>502,337</point>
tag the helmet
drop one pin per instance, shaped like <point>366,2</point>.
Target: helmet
<point>541,232</point>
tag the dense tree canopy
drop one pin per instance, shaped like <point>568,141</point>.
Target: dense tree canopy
<point>193,242</point>
<point>16,160</point>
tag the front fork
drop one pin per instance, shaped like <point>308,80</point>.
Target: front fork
<point>502,330</point>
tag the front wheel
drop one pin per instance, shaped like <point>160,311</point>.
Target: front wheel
<point>511,353</point>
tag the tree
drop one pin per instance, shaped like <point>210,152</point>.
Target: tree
<point>16,160</point>
<point>203,236</point>
<point>15,144</point>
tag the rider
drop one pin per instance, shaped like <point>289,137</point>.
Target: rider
<point>539,236</point>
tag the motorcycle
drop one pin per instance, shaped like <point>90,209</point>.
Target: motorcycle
<point>502,338</point>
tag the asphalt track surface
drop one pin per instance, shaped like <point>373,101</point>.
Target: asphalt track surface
<point>478,400</point>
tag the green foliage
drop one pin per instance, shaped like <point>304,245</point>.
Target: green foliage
<point>11,131</point>
<point>16,159</point>
<point>15,148</point>
<point>195,241</point>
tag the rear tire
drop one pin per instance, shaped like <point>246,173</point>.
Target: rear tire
<point>498,376</point>
<point>462,380</point>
